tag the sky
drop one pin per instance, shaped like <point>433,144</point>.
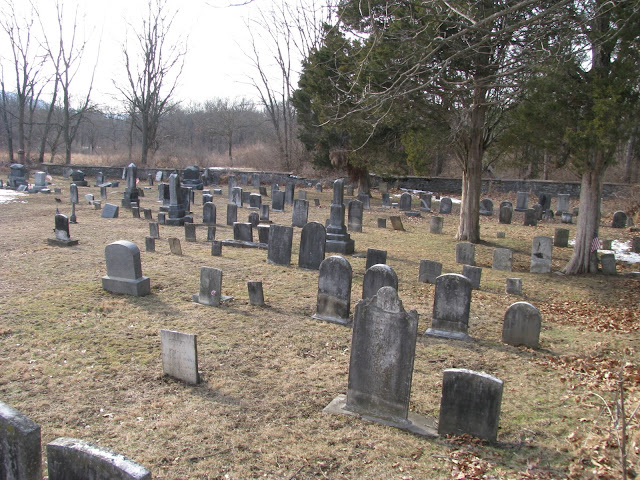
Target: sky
<point>216,65</point>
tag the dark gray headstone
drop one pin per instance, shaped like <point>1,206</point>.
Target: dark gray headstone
<point>446,205</point>
<point>300,213</point>
<point>530,217</point>
<point>243,232</point>
<point>538,209</point>
<point>514,286</point>
<point>435,225</point>
<point>566,217</point>
<point>522,324</point>
<point>382,223</point>
<point>429,271</point>
<point>365,198</point>
<point>354,216</point>
<point>425,202</point>
<point>289,193</point>
<point>255,200</point>
<point>376,277</point>
<point>210,287</point>
<point>255,179</point>
<point>608,263</point>
<point>506,214</point>
<point>502,259</point>
<point>522,201</point>
<point>544,199</point>
<point>216,248</point>
<point>561,237</point>
<point>386,201</point>
<point>20,447</point>
<point>211,233</point>
<point>312,246</point>
<point>154,230</point>
<point>150,244</point>
<point>466,253</point>
<point>263,234</point>
<point>280,241</point>
<point>375,257</point>
<point>209,213</point>
<point>264,213</point>
<point>474,274</point>
<point>254,219</point>
<point>232,213</point>
<point>190,232</point>
<point>124,270</point>
<point>486,207</point>
<point>619,219</point>
<point>451,307</point>
<point>277,201</point>
<point>147,214</point>
<point>256,295</point>
<point>334,290</point>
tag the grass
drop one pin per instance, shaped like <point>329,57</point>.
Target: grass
<point>85,363</point>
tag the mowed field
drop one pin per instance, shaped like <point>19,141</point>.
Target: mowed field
<point>86,363</point>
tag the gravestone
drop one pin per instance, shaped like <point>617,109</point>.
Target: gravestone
<point>386,201</point>
<point>530,217</point>
<point>501,235</point>
<point>474,274</point>
<point>366,200</point>
<point>451,307</point>
<point>100,179</point>
<point>312,246</point>
<point>254,218</point>
<point>190,232</point>
<point>354,217</point>
<point>302,195</point>
<point>154,230</point>
<point>502,259</point>
<point>147,214</point>
<point>103,193</point>
<point>619,220</point>
<point>244,179</point>
<point>435,225</point>
<point>316,202</point>
<point>470,404</point>
<point>300,213</point>
<point>89,198</point>
<point>608,263</point>
<point>506,213</point>
<point>20,447</point>
<point>40,182</point>
<point>211,233</point>
<point>135,211</point>
<point>486,207</point>
<point>274,188</point>
<point>635,245</point>
<point>561,237</point>
<point>548,215</point>
<point>150,179</point>
<point>375,257</point>
<point>255,200</point>
<point>383,187</point>
<point>382,223</point>
<point>338,240</point>
<point>236,197</point>
<point>563,203</point>
<point>466,253</point>
<point>538,209</point>
<point>191,178</point>
<point>405,202</point>
<point>216,248</point>
<point>124,270</point>
<point>280,242</point>
<point>206,197</point>
<point>232,213</point>
<point>606,244</point>
<point>77,177</point>
<point>178,202</point>
<point>110,211</point>
<point>349,190</point>
<point>209,213</point>
<point>150,244</point>
<point>522,324</point>
<point>255,179</point>
<point>131,192</point>
<point>97,204</point>
<point>334,290</point>
<point>425,202</point>
<point>264,213</point>
<point>541,250</point>
<point>73,459</point>
<point>210,287</point>
<point>174,246</point>
<point>180,356</point>
<point>73,194</point>
<point>319,187</point>
<point>18,176</point>
<point>246,195</point>
<point>256,295</point>
<point>514,286</point>
<point>231,184</point>
<point>522,201</point>
<point>544,199</point>
<point>277,201</point>
<point>159,176</point>
<point>429,271</point>
<point>61,230</point>
<point>396,223</point>
<point>566,217</point>
<point>376,277</point>
<point>446,205</point>
<point>263,234</point>
<point>289,193</point>
<point>243,232</point>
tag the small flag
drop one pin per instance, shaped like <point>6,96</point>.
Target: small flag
<point>596,244</point>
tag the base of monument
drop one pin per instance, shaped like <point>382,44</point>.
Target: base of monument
<point>243,244</point>
<point>418,424</point>
<point>223,298</point>
<point>347,322</point>
<point>434,332</point>
<point>338,246</point>
<point>56,242</point>
<point>137,288</point>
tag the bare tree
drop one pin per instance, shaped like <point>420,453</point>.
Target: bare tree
<point>229,120</point>
<point>153,75</point>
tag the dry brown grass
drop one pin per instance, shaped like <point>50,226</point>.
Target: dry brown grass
<point>85,363</point>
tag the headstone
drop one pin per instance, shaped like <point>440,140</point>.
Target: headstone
<point>232,183</point>
<point>349,190</point>
<point>274,188</point>
<point>110,211</point>
<point>300,213</point>
<point>180,356</point>
<point>243,232</point>
<point>501,235</point>
<point>566,218</point>
<point>147,214</point>
<point>100,179</point>
<point>302,194</point>
<point>522,324</point>
<point>154,230</point>
<point>178,201</point>
<point>256,295</point>
<point>190,232</point>
<point>544,199</point>
<point>548,215</point>
<point>383,187</point>
<point>236,196</point>
<point>131,191</point>
<point>191,177</point>
<point>159,176</point>
<point>316,202</point>
<point>73,459</point>
<point>530,217</point>
<point>289,193</point>
<point>150,179</point>
<point>446,205</point>
<point>319,187</point>
<point>635,245</point>
<point>73,194</point>
<point>470,404</point>
<point>209,213</point>
<point>255,179</point>
<point>254,218</point>
<point>312,246</point>
<point>18,176</point>
<point>20,447</point>
<point>206,197</point>
<point>474,274</point>
<point>502,259</point>
<point>365,198</point>
<point>103,193</point>
<point>97,204</point>
<point>522,201</point>
<point>506,214</point>
<point>135,211</point>
<point>436,224</point>
<point>396,223</point>
<point>386,201</point>
<point>280,241</point>
<point>376,277</point>
<point>277,201</point>
<point>210,287</point>
<point>211,233</point>
<point>150,244</point>
<point>563,203</point>
<point>486,207</point>
<point>232,213</point>
<point>255,200</point>
<point>466,253</point>
<point>174,246</point>
<point>429,271</point>
<point>451,307</point>
<point>425,202</point>
<point>619,220</point>
<point>514,286</point>
<point>382,223</point>
<point>77,177</point>
<point>375,257</point>
<point>354,216</point>
<point>40,182</point>
<point>264,213</point>
<point>61,230</point>
<point>338,240</point>
<point>561,237</point>
<point>541,251</point>
<point>538,209</point>
<point>124,270</point>
<point>263,234</point>
<point>216,248</point>
<point>217,191</point>
<point>608,263</point>
<point>334,290</point>
<point>246,195</point>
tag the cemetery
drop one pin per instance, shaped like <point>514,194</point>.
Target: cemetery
<point>342,346</point>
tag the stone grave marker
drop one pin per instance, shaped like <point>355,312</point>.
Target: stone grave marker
<point>312,246</point>
<point>538,209</point>
<point>466,253</point>
<point>232,213</point>
<point>147,214</point>
<point>530,218</point>
<point>254,219</point>
<point>474,274</point>
<point>190,232</point>
<point>541,250</point>
<point>264,213</point>
<point>608,263</point>
<point>470,403</point>
<point>429,271</point>
<point>100,179</point>
<point>405,201</point>
<point>435,225</point>
<point>566,217</point>
<point>280,242</point>
<point>522,201</point>
<point>349,190</point>
<point>135,211</point>
<point>338,240</point>
<point>255,179</point>
<point>236,196</point>
<point>376,277</point>
<point>502,259</point>
<point>255,200</point>
<point>174,246</point>
<point>62,235</point>
<point>210,288</point>
<point>375,257</point>
<point>97,204</point>
<point>544,199</point>
<point>159,176</point>
<point>382,223</point>
<point>396,223</point>
<point>209,213</point>
<point>386,201</point>
<point>446,205</point>
<point>522,325</point>
<point>334,290</point>
<point>150,244</point>
<point>514,286</point>
<point>211,233</point>
<point>154,230</point>
<point>300,213</point>
<point>110,211</point>
<point>232,183</point>
<point>180,356</point>
<point>451,307</point>
<point>302,194</point>
<point>425,202</point>
<point>20,447</point>
<point>77,177</point>
<point>289,193</point>
<point>124,270</point>
<point>563,203</point>
<point>256,295</point>
<point>365,199</point>
<point>506,213</point>
<point>191,177</point>
<point>561,237</point>
<point>277,201</point>
<point>216,248</point>
<point>243,232</point>
<point>206,197</point>
<point>486,207</point>
<point>355,216</point>
<point>619,219</point>
<point>263,234</point>
<point>131,192</point>
<point>179,202</point>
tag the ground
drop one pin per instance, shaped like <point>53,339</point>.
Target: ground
<point>85,363</point>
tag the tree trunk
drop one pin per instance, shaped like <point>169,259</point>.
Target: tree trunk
<point>629,157</point>
<point>583,259</point>
<point>145,140</point>
<point>545,165</point>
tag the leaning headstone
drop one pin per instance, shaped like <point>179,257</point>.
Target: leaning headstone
<point>110,211</point>
<point>190,232</point>
<point>522,201</point>
<point>210,287</point>
<point>312,246</point>
<point>61,230</point>
<point>124,270</point>
<point>435,225</point>
<point>334,290</point>
<point>514,286</point>
<point>73,459</point>
<point>20,447</point>
<point>619,220</point>
<point>256,295</point>
<point>216,248</point>
<point>396,223</point>
<point>354,216</point>
<point>374,257</point>
<point>209,213</point>
<point>486,207</point>
<point>474,274</point>
<point>530,217</point>
<point>563,203</point>
<point>376,277</point>
<point>280,242</point>
<point>429,271</point>
<point>232,213</point>
<point>446,205</point>
<point>502,259</point>
<point>277,201</point>
<point>522,324</point>
<point>470,404</point>
<point>180,356</point>
<point>300,213</point>
<point>541,250</point>
<point>150,244</point>
<point>174,246</point>
<point>608,263</point>
<point>561,237</point>
<point>451,307</point>
<point>466,253</point>
<point>405,202</point>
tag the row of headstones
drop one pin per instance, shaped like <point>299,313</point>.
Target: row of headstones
<point>21,454</point>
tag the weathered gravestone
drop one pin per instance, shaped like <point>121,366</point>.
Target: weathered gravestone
<point>254,219</point>
<point>429,271</point>
<point>131,192</point>
<point>405,201</point>
<point>563,203</point>
<point>425,202</point>
<point>150,244</point>
<point>280,242</point>
<point>312,246</point>
<point>506,213</point>
<point>544,199</point>
<point>338,240</point>
<point>381,364</point>
<point>561,237</point>
<point>386,201</point>
<point>522,324</point>
<point>486,207</point>
<point>619,220</point>
<point>209,213</point>
<point>180,356</point>
<point>190,232</point>
<point>514,286</point>
<point>474,274</point>
<point>232,213</point>
<point>236,196</point>
<point>302,194</point>
<point>61,230</point>
<point>502,259</point>
<point>263,234</point>
<point>608,263</point>
<point>541,250</point>
<point>147,213</point>
<point>243,232</point>
<point>20,447</point>
<point>110,211</point>
<point>179,202</point>
<point>73,459</point>
<point>334,290</point>
<point>18,176</point>
<point>174,246</point>
<point>231,184</point>
<point>435,225</point>
<point>522,201</point>
<point>566,217</point>
<point>210,288</point>
<point>375,257</point>
<point>376,277</point>
<point>256,294</point>
<point>255,179</point>
<point>154,230</point>
<point>382,223</point>
<point>537,208</point>
<point>530,217</point>
<point>191,177</point>
<point>135,211</point>
<point>396,223</point>
<point>255,200</point>
<point>124,270</point>
<point>216,248</point>
<point>470,404</point>
<point>211,233</point>
<point>41,182</point>
<point>354,217</point>
<point>451,306</point>
<point>264,214</point>
<point>446,205</point>
<point>466,253</point>
<point>289,193</point>
<point>277,201</point>
<point>300,213</point>
<point>77,177</point>
<point>365,198</point>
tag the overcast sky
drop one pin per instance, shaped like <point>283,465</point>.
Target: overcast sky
<point>215,65</point>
